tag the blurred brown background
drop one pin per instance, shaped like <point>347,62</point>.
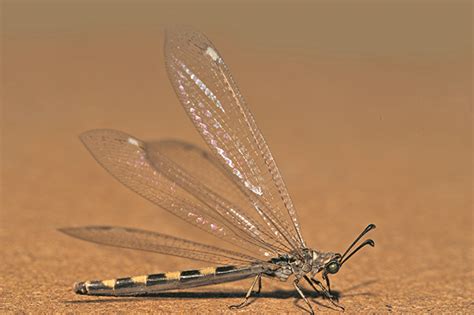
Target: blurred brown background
<point>365,105</point>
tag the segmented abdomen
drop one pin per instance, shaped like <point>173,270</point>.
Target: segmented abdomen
<point>167,281</point>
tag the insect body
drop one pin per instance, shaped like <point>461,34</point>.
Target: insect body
<point>234,192</point>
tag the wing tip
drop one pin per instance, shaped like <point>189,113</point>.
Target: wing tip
<point>80,231</point>
<point>67,230</point>
<point>99,138</point>
<point>181,35</point>
<point>94,133</point>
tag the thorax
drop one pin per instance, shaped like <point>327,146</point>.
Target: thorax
<point>297,264</point>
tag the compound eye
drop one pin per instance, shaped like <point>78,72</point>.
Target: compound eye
<point>332,267</point>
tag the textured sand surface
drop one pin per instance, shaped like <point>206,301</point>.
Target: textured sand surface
<point>367,110</point>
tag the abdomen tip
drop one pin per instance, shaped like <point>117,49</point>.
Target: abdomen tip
<point>80,288</point>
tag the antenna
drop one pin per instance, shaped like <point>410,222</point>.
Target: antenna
<point>365,231</point>
<point>366,242</point>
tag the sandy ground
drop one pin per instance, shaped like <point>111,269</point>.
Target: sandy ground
<point>367,111</point>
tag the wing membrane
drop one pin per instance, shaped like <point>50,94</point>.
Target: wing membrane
<point>204,166</point>
<point>156,242</point>
<point>203,176</point>
<point>212,100</point>
<point>142,168</point>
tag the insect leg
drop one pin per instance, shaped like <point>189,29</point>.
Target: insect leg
<point>295,284</point>
<point>327,293</point>
<point>311,284</point>
<point>323,288</point>
<point>259,285</point>
<point>249,292</point>
<point>328,284</point>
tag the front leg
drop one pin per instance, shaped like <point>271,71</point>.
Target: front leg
<point>328,284</point>
<point>334,300</point>
<point>326,292</point>
<point>311,283</point>
<point>325,277</point>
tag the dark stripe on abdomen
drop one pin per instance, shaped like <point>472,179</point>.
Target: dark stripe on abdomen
<point>190,275</point>
<point>225,270</point>
<point>167,281</point>
<point>124,283</point>
<point>155,279</point>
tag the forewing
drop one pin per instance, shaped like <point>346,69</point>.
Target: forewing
<point>212,100</point>
<point>156,242</point>
<point>204,166</point>
<point>202,175</point>
<point>141,168</point>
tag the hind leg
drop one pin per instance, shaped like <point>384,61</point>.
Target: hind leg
<point>258,279</point>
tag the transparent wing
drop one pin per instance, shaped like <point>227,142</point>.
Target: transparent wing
<point>212,100</point>
<point>156,242</point>
<point>204,166</point>
<point>199,173</point>
<point>142,168</point>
